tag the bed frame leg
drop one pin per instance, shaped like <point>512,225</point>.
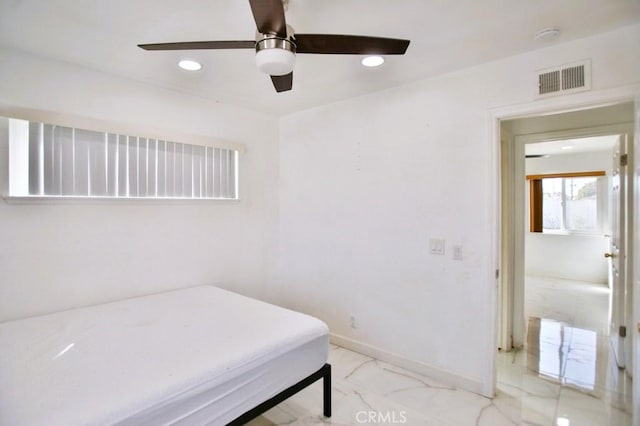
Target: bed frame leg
<point>324,373</point>
<point>326,394</point>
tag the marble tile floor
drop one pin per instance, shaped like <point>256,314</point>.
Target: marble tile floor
<point>563,377</point>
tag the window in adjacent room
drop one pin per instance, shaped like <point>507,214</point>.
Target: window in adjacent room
<point>566,203</point>
<point>46,160</point>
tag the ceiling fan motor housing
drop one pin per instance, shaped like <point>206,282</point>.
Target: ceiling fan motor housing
<point>275,55</point>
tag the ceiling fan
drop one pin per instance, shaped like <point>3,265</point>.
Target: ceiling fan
<point>276,44</point>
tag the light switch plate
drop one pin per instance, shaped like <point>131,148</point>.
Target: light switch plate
<point>436,246</point>
<point>457,252</point>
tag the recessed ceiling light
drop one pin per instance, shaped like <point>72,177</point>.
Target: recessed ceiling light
<point>189,65</point>
<point>372,61</point>
<point>547,34</point>
<point>567,147</point>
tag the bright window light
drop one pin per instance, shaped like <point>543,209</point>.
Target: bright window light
<point>48,161</point>
<point>189,65</point>
<point>372,61</point>
<point>570,204</point>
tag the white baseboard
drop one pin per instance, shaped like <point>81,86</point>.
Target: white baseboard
<point>446,377</point>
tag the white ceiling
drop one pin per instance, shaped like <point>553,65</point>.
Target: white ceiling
<point>445,35</point>
<point>573,146</point>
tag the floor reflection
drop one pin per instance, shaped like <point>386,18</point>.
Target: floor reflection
<point>566,354</point>
<point>566,372</point>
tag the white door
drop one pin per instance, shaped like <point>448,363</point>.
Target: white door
<point>617,252</point>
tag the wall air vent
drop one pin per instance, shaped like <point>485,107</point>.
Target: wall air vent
<point>549,82</point>
<point>568,78</point>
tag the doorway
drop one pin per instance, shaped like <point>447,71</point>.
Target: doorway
<point>534,132</point>
<point>516,134</point>
<point>499,297</point>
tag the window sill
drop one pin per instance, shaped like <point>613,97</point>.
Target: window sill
<point>571,233</point>
<point>37,199</point>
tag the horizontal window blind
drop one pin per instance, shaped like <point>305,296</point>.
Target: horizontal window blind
<point>63,161</point>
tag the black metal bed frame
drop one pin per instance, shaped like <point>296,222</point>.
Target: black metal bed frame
<point>324,373</point>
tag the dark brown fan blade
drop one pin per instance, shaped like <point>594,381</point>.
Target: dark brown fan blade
<point>194,45</point>
<point>269,17</point>
<point>282,83</point>
<point>349,44</point>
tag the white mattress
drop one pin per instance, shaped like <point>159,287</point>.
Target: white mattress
<point>195,356</point>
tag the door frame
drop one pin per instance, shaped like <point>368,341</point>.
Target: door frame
<point>519,145</point>
<point>635,243</point>
<point>497,297</point>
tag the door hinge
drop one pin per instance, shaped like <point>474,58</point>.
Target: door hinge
<point>497,273</point>
<point>622,331</point>
<point>624,159</point>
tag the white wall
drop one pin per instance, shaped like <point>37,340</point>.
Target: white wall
<point>364,184</point>
<point>570,257</point>
<point>578,162</point>
<point>57,256</point>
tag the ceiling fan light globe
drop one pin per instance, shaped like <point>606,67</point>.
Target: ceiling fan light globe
<point>275,61</point>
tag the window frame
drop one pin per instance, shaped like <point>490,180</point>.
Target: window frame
<point>536,201</point>
<point>98,125</point>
